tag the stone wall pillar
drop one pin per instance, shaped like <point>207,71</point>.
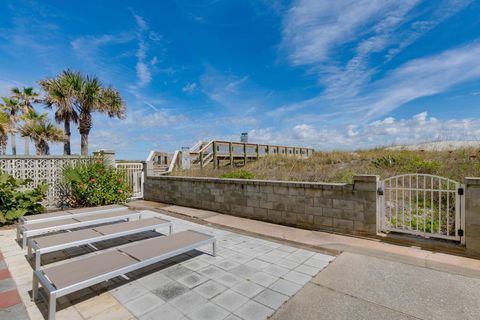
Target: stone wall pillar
<point>472,214</point>
<point>107,155</point>
<point>365,187</point>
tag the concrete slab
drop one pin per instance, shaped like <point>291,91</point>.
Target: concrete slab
<point>190,212</point>
<point>314,302</point>
<point>419,292</point>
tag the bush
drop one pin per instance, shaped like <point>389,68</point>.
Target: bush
<point>15,203</point>
<point>238,174</point>
<point>384,162</point>
<point>93,184</point>
<point>422,166</point>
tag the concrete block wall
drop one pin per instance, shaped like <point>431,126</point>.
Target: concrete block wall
<point>346,208</point>
<point>472,214</point>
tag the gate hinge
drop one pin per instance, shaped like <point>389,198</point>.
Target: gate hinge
<point>460,191</point>
<point>380,191</point>
<point>460,232</point>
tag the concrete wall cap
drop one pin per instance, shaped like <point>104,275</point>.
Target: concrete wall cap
<point>472,180</point>
<point>366,178</point>
<point>313,185</point>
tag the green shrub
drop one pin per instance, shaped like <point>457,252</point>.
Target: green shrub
<point>422,166</point>
<point>384,162</point>
<point>95,184</point>
<point>238,174</point>
<point>15,203</point>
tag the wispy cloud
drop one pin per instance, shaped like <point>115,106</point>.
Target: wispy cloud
<point>321,35</point>
<point>189,87</point>
<point>424,77</point>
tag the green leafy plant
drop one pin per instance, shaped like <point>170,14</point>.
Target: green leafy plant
<point>384,162</point>
<point>94,183</point>
<point>423,166</point>
<point>15,202</point>
<point>238,174</point>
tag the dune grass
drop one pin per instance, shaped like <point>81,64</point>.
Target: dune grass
<point>342,166</point>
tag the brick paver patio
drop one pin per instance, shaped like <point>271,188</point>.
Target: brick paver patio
<point>249,279</point>
<point>11,306</point>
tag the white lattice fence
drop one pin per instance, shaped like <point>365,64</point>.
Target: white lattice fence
<point>46,169</point>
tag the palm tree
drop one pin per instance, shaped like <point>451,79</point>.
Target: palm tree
<point>60,93</point>
<point>25,97</point>
<point>4,122</point>
<point>91,97</point>
<point>41,131</point>
<point>11,107</point>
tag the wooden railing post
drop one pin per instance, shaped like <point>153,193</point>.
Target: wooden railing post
<point>230,148</point>
<point>201,159</point>
<point>244,154</point>
<point>258,152</point>
<point>214,146</point>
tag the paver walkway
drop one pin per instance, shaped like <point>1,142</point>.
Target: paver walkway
<point>11,306</point>
<point>334,243</point>
<point>369,279</point>
<point>249,279</point>
<point>361,287</point>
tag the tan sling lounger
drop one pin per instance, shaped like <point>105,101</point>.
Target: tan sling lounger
<point>76,275</point>
<point>51,243</point>
<point>60,215</point>
<point>35,229</point>
<point>67,213</point>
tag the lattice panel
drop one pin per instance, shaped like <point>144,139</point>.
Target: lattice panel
<point>41,169</point>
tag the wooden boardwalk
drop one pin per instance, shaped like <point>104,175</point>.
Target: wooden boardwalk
<point>219,152</point>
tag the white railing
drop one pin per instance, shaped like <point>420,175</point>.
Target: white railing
<point>421,204</point>
<point>133,174</point>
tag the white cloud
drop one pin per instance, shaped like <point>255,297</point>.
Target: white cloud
<point>312,28</point>
<point>141,23</point>
<point>189,88</point>
<point>143,73</point>
<point>424,77</point>
<point>388,131</point>
<point>144,63</point>
<point>157,119</point>
<point>316,33</point>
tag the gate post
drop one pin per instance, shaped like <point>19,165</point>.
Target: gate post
<point>365,186</point>
<point>472,214</point>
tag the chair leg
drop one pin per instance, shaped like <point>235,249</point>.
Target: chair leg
<point>29,251</point>
<point>18,232</point>
<point>34,287</point>
<point>170,229</point>
<point>24,241</point>
<point>52,306</point>
<point>37,260</point>
<point>214,248</point>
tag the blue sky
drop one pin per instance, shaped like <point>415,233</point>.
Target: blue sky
<point>328,74</point>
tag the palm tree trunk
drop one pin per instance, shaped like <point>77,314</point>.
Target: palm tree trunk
<point>44,148</point>
<point>84,143</point>
<point>66,145</point>
<point>14,143</point>
<point>3,145</point>
<point>38,148</point>
<point>84,126</point>
<point>27,147</point>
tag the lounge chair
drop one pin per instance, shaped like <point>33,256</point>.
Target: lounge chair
<point>35,229</point>
<point>55,242</point>
<point>59,215</point>
<point>87,271</point>
<point>44,217</point>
